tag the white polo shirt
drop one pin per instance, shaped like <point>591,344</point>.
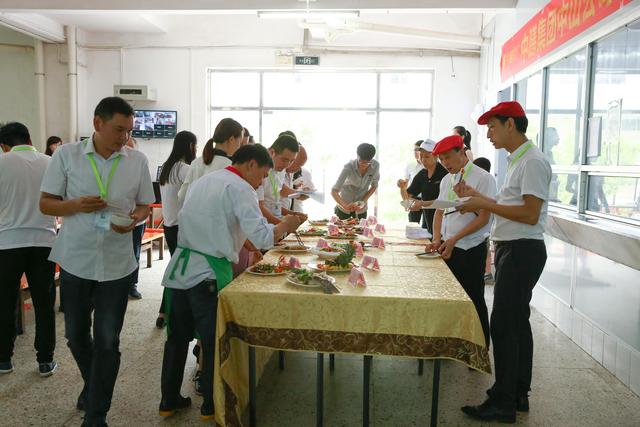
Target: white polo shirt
<point>22,224</point>
<point>81,248</point>
<point>169,193</point>
<point>452,223</point>
<point>269,192</point>
<point>219,214</point>
<point>528,173</point>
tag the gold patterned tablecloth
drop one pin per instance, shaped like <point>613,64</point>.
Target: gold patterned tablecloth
<point>411,308</point>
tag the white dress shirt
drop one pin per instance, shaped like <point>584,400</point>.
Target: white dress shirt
<point>302,182</point>
<point>219,214</point>
<point>198,169</point>
<point>529,174</point>
<point>270,195</point>
<point>169,193</point>
<point>452,223</point>
<point>412,170</point>
<point>22,224</point>
<point>81,248</point>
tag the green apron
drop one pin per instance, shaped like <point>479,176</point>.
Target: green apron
<point>220,266</point>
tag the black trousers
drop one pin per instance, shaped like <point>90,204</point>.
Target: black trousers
<point>344,216</point>
<point>98,357</point>
<point>40,272</point>
<point>519,264</point>
<point>171,237</point>
<point>415,216</point>
<point>191,309</point>
<point>468,268</point>
<point>137,234</point>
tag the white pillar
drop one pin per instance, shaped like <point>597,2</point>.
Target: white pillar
<point>39,76</point>
<point>73,83</point>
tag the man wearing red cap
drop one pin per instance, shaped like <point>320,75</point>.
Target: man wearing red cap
<point>462,238</point>
<point>520,211</point>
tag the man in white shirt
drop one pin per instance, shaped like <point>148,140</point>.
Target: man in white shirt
<point>410,171</point>
<point>26,237</point>
<point>272,194</point>
<point>219,214</point>
<point>462,238</point>
<point>95,184</point>
<point>520,211</point>
<point>297,178</point>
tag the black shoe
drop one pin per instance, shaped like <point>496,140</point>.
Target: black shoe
<point>522,403</point>
<point>6,367</point>
<point>134,293</point>
<point>488,411</point>
<point>47,369</point>
<point>81,404</point>
<point>95,423</point>
<point>160,323</point>
<point>167,410</point>
<point>206,414</point>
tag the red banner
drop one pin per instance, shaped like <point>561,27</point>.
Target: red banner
<point>557,22</point>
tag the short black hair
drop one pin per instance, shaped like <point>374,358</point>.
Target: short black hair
<point>483,163</point>
<point>521,122</point>
<point>13,134</point>
<point>366,151</point>
<point>418,143</point>
<point>285,142</point>
<point>112,105</point>
<point>255,152</point>
<point>288,132</point>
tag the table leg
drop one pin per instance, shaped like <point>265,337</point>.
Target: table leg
<point>365,390</point>
<point>252,386</point>
<point>320,390</point>
<point>420,366</point>
<point>435,392</point>
<point>332,362</point>
<point>281,360</point>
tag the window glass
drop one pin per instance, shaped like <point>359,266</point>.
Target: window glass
<point>235,89</point>
<point>405,90</point>
<point>564,188</point>
<point>619,196</point>
<point>529,95</point>
<point>565,93</point>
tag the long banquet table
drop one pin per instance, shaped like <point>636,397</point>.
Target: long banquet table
<point>411,308</point>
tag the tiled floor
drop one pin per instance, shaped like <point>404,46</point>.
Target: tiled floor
<point>570,388</point>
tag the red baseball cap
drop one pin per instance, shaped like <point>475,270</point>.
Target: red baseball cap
<point>448,143</point>
<point>505,109</point>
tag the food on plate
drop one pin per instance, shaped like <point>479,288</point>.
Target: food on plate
<point>267,268</point>
<point>350,221</point>
<point>294,248</point>
<point>312,231</point>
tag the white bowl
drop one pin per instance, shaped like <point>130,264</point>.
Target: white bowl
<point>121,220</point>
<point>325,255</point>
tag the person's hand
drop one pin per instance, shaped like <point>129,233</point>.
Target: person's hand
<point>433,246</point>
<point>403,183</point>
<point>292,222</point>
<point>123,230</point>
<point>447,248</point>
<point>303,217</point>
<point>349,207</point>
<point>474,204</point>
<point>462,189</point>
<point>139,214</point>
<point>416,206</point>
<point>88,204</point>
<point>256,257</point>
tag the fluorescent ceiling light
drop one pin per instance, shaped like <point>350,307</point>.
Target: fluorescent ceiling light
<point>307,14</point>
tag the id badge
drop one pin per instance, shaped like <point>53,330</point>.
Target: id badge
<point>103,220</point>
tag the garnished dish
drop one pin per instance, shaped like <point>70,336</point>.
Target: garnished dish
<point>269,269</point>
<point>330,252</point>
<point>307,278</point>
<point>293,248</point>
<point>312,231</point>
<point>350,221</point>
<point>340,263</point>
<point>344,234</point>
<point>320,222</point>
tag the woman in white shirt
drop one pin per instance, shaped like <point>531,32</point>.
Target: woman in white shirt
<point>466,136</point>
<point>227,138</point>
<point>174,171</point>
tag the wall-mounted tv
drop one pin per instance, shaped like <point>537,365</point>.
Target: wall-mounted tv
<point>155,124</point>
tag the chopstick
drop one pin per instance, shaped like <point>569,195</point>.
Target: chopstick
<point>300,242</point>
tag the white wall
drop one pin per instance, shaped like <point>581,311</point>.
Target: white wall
<point>176,65</point>
<point>19,96</point>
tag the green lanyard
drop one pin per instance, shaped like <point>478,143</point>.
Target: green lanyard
<point>465,173</point>
<point>274,186</point>
<point>513,161</point>
<point>104,190</point>
<point>24,148</point>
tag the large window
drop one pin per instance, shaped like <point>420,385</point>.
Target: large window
<point>331,113</point>
<point>529,95</point>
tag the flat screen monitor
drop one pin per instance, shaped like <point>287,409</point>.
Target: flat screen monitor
<point>155,124</point>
